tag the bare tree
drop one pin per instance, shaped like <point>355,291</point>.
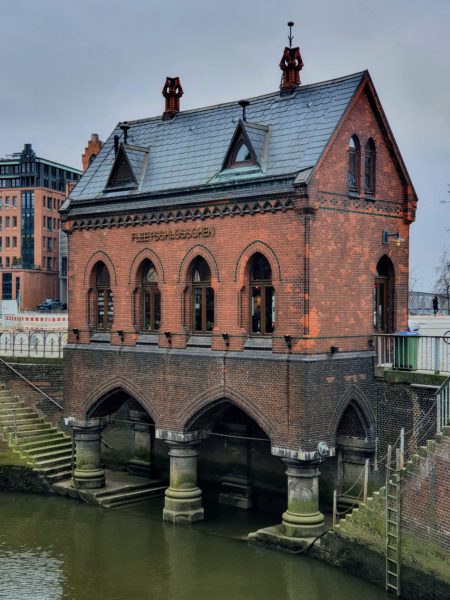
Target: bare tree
<point>442,270</point>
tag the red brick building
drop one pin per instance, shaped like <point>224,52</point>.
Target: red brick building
<point>228,267</point>
<point>32,190</point>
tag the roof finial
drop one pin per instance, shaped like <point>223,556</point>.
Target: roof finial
<point>243,104</point>
<point>290,36</point>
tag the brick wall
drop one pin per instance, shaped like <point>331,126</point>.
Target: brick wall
<point>46,377</point>
<point>358,543</point>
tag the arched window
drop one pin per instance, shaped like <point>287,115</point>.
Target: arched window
<point>103,297</point>
<point>150,297</point>
<point>202,297</point>
<point>262,296</point>
<point>241,155</point>
<point>384,297</point>
<point>369,167</point>
<point>353,164</point>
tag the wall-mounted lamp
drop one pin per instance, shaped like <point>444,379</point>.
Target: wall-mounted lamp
<point>168,336</point>
<point>334,349</point>
<point>226,339</point>
<point>121,334</point>
<point>386,235</point>
<point>288,340</point>
<point>76,333</point>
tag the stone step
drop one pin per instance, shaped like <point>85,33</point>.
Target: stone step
<point>59,475</point>
<point>30,433</point>
<point>53,437</point>
<point>20,420</point>
<point>49,451</point>
<point>124,498</point>
<point>43,445</point>
<point>36,440</point>
<point>27,427</point>
<point>51,460</point>
<point>49,470</point>
<point>12,403</point>
<point>21,410</point>
<point>125,487</point>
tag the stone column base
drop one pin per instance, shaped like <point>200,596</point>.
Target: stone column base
<point>89,478</point>
<point>183,506</point>
<point>300,526</point>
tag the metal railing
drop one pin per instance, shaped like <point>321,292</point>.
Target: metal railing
<point>40,344</point>
<point>413,353</point>
<point>443,405</point>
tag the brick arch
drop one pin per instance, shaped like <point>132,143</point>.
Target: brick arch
<point>353,395</point>
<point>95,258</point>
<point>118,383</point>
<point>139,258</point>
<point>204,252</point>
<point>249,251</point>
<point>224,393</point>
<point>386,255</point>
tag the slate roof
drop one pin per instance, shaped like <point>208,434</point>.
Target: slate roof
<point>188,151</point>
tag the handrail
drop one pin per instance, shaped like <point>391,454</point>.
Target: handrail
<point>31,384</point>
<point>443,405</point>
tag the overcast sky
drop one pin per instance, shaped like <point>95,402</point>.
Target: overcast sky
<point>71,68</point>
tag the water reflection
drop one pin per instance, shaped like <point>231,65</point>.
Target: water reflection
<point>58,549</point>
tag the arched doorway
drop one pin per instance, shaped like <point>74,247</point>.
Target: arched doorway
<point>384,297</point>
<point>355,449</point>
<point>235,464</point>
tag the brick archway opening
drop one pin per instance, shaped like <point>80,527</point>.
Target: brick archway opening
<point>235,464</point>
<point>128,436</point>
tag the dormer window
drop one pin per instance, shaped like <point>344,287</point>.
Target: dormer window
<point>242,155</point>
<point>122,175</point>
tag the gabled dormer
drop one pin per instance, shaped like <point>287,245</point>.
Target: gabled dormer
<point>128,168</point>
<point>247,152</point>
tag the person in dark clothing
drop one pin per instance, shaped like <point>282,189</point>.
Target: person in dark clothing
<point>435,305</point>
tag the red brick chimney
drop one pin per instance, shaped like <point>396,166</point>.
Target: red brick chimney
<point>291,64</point>
<point>172,92</point>
<point>92,149</point>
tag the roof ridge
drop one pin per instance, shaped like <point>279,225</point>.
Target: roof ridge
<point>235,102</point>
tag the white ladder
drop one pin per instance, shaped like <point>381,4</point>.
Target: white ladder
<point>392,524</point>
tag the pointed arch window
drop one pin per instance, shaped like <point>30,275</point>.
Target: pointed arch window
<point>241,155</point>
<point>150,298</point>
<point>202,297</point>
<point>369,167</point>
<point>103,297</point>
<point>262,296</point>
<point>353,164</point>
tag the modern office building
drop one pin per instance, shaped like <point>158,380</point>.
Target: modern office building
<point>32,190</point>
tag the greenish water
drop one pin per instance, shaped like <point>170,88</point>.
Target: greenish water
<point>56,548</point>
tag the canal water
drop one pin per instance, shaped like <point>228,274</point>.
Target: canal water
<point>59,549</point>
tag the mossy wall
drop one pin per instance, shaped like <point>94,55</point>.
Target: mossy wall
<point>358,543</point>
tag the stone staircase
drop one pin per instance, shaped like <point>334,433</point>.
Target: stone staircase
<point>122,490</point>
<point>47,450</point>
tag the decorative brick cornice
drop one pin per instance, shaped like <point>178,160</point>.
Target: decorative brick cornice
<point>156,217</point>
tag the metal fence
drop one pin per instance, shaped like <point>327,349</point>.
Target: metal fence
<point>421,303</point>
<point>40,344</point>
<point>414,353</point>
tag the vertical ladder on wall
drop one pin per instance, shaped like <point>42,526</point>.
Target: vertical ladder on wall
<point>393,523</point>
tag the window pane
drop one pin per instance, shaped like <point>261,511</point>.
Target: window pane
<point>209,309</point>
<point>110,308</point>
<point>100,308</point>
<point>198,309</point>
<point>147,321</point>
<point>256,301</point>
<point>270,309</point>
<point>157,309</point>
<point>243,154</point>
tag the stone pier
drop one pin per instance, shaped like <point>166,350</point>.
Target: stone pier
<point>88,473</point>
<point>183,502</point>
